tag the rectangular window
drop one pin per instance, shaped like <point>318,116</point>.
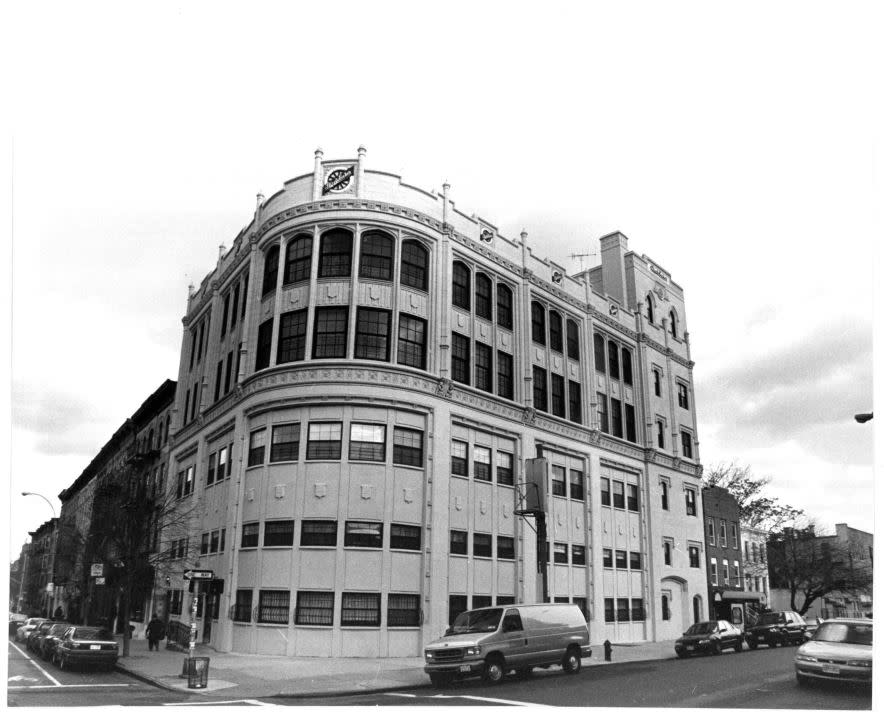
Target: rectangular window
<point>233,311</point>
<point>682,395</point>
<point>458,543</point>
<point>188,481</point>
<point>734,542</point>
<point>558,480</point>
<point>638,609</point>
<point>257,441</point>
<point>224,314</point>
<point>330,333</point>
<point>710,531</point>
<point>292,336</point>
<point>578,555</point>
<point>459,460</point>
<point>578,488</point>
<point>411,348</point>
<point>484,367</point>
<point>265,340</point>
<point>372,334</point>
<point>285,442</point>
<point>687,446</point>
<point>613,360</point>
<point>225,462</point>
<point>667,552</point>
<point>360,609</point>
<point>249,535</point>
<point>664,495</point>
<point>694,556</point>
<point>460,358</point>
<point>315,608</point>
<point>725,572</point>
<point>210,470</point>
<point>368,442</point>
<point>506,547</point>
<point>722,533</point>
<point>504,468</point>
<point>690,498</point>
<point>505,375</point>
<point>620,559</point>
<point>609,610</point>
<point>324,441</point>
<point>408,447</point>
<point>482,545</point>
<point>607,558</point>
<point>661,438</point>
<point>403,609</point>
<point>616,418</point>
<point>713,571</point>
<point>557,391</point>
<point>540,402</point>
<point>504,307</point>
<point>575,405</point>
<point>573,340</point>
<point>482,463</point>
<point>737,573</point>
<point>630,422</point>
<point>227,371</point>
<point>204,544</point>
<point>279,533</point>
<point>504,600</point>
<point>273,606</point>
<point>335,254</point>
<point>404,536</point>
<point>635,560</point>
<point>319,533</point>
<point>218,374</point>
<point>622,609</point>
<point>560,553</point>
<point>603,412</point>
<point>619,502</point>
<point>213,541</point>
<point>657,382</point>
<point>242,609</point>
<point>626,357</point>
<point>364,534</point>
<point>456,606</point>
<point>606,492</point>
<point>632,497</point>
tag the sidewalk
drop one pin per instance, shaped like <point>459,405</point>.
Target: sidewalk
<point>239,675</point>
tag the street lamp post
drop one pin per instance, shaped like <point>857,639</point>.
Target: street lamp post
<point>51,598</point>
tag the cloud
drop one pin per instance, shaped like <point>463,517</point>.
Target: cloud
<point>64,423</point>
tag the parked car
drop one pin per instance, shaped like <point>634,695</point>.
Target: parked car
<point>16,621</point>
<point>841,650</point>
<point>86,646</point>
<point>777,628</point>
<point>36,634</point>
<point>21,634</point>
<point>493,641</point>
<point>709,637</point>
<point>48,641</point>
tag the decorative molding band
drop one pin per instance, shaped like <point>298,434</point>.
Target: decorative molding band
<point>612,464</point>
<point>225,428</point>
<point>665,351</point>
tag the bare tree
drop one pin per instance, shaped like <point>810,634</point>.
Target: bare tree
<point>756,509</point>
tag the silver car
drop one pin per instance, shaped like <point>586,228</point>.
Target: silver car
<point>840,650</point>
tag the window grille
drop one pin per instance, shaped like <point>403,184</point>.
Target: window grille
<point>273,607</point>
<point>360,609</point>
<point>315,608</point>
<point>319,533</point>
<point>403,609</point>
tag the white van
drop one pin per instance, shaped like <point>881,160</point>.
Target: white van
<point>493,641</point>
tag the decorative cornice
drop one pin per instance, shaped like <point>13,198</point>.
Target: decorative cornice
<point>665,351</point>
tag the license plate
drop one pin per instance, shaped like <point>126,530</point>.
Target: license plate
<point>94,648</point>
<point>689,648</point>
<point>833,670</point>
<point>464,669</point>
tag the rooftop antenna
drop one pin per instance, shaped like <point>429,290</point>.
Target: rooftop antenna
<point>581,256</point>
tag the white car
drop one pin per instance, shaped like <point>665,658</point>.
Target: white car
<point>840,650</point>
<point>21,634</point>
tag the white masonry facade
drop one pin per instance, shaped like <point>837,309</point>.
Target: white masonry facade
<point>363,376</point>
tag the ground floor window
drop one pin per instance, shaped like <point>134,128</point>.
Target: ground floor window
<point>242,609</point>
<point>457,604</point>
<point>403,609</point>
<point>361,609</point>
<point>315,608</point>
<point>273,607</point>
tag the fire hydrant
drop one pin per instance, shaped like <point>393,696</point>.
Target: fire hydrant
<point>608,650</point>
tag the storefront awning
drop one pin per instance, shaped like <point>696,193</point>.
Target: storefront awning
<point>742,596</point>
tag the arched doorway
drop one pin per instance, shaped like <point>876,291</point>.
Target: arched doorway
<point>672,609</point>
<point>698,608</point>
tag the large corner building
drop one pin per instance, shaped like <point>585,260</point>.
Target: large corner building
<point>363,377</point>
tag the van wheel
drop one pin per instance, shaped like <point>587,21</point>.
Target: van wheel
<point>739,647</point>
<point>494,670</point>
<point>752,644</point>
<point>571,664</point>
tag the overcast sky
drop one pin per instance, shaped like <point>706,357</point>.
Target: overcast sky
<point>734,145</point>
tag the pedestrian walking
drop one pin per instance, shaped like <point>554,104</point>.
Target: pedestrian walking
<point>156,632</point>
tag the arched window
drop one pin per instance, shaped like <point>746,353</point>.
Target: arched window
<point>698,609</point>
<point>160,435</point>
<point>673,329</point>
<point>271,267</point>
<point>555,331</point>
<point>483,296</point>
<point>504,306</point>
<point>627,366</point>
<point>650,308</point>
<point>664,603</point>
<point>298,254</point>
<point>414,265</point>
<point>150,440</point>
<point>166,435</point>
<point>460,285</point>
<point>613,360</point>
<point>573,340</point>
<point>598,344</point>
<point>335,253</point>
<point>376,256</point>
<point>538,323</point>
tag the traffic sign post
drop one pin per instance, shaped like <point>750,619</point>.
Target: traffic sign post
<point>195,573</point>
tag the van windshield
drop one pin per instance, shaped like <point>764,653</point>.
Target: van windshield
<point>484,620</point>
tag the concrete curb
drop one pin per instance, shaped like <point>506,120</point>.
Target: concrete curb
<point>146,679</point>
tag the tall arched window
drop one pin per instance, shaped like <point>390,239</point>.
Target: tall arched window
<point>613,360</point>
<point>698,609</point>
<point>626,357</point>
<point>150,440</point>
<point>673,329</point>
<point>504,306</point>
<point>650,308</point>
<point>335,253</point>
<point>598,344</point>
<point>573,340</point>
<point>538,323</point>
<point>160,435</point>
<point>414,265</point>
<point>555,331</point>
<point>298,253</point>
<point>271,268</point>
<point>483,296</point>
<point>376,256</point>
<point>460,285</point>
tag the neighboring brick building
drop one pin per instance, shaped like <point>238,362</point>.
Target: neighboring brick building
<point>40,575</point>
<point>755,574</point>
<point>729,597</point>
<point>362,377</point>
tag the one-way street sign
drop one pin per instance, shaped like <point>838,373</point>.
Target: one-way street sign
<point>194,573</point>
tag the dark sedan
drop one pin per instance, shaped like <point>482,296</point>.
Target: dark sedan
<point>86,646</point>
<point>777,628</point>
<point>709,637</point>
<point>34,636</point>
<point>46,644</point>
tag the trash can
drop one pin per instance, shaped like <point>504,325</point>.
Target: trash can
<point>197,672</point>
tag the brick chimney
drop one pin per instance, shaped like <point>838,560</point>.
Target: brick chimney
<point>613,249</point>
